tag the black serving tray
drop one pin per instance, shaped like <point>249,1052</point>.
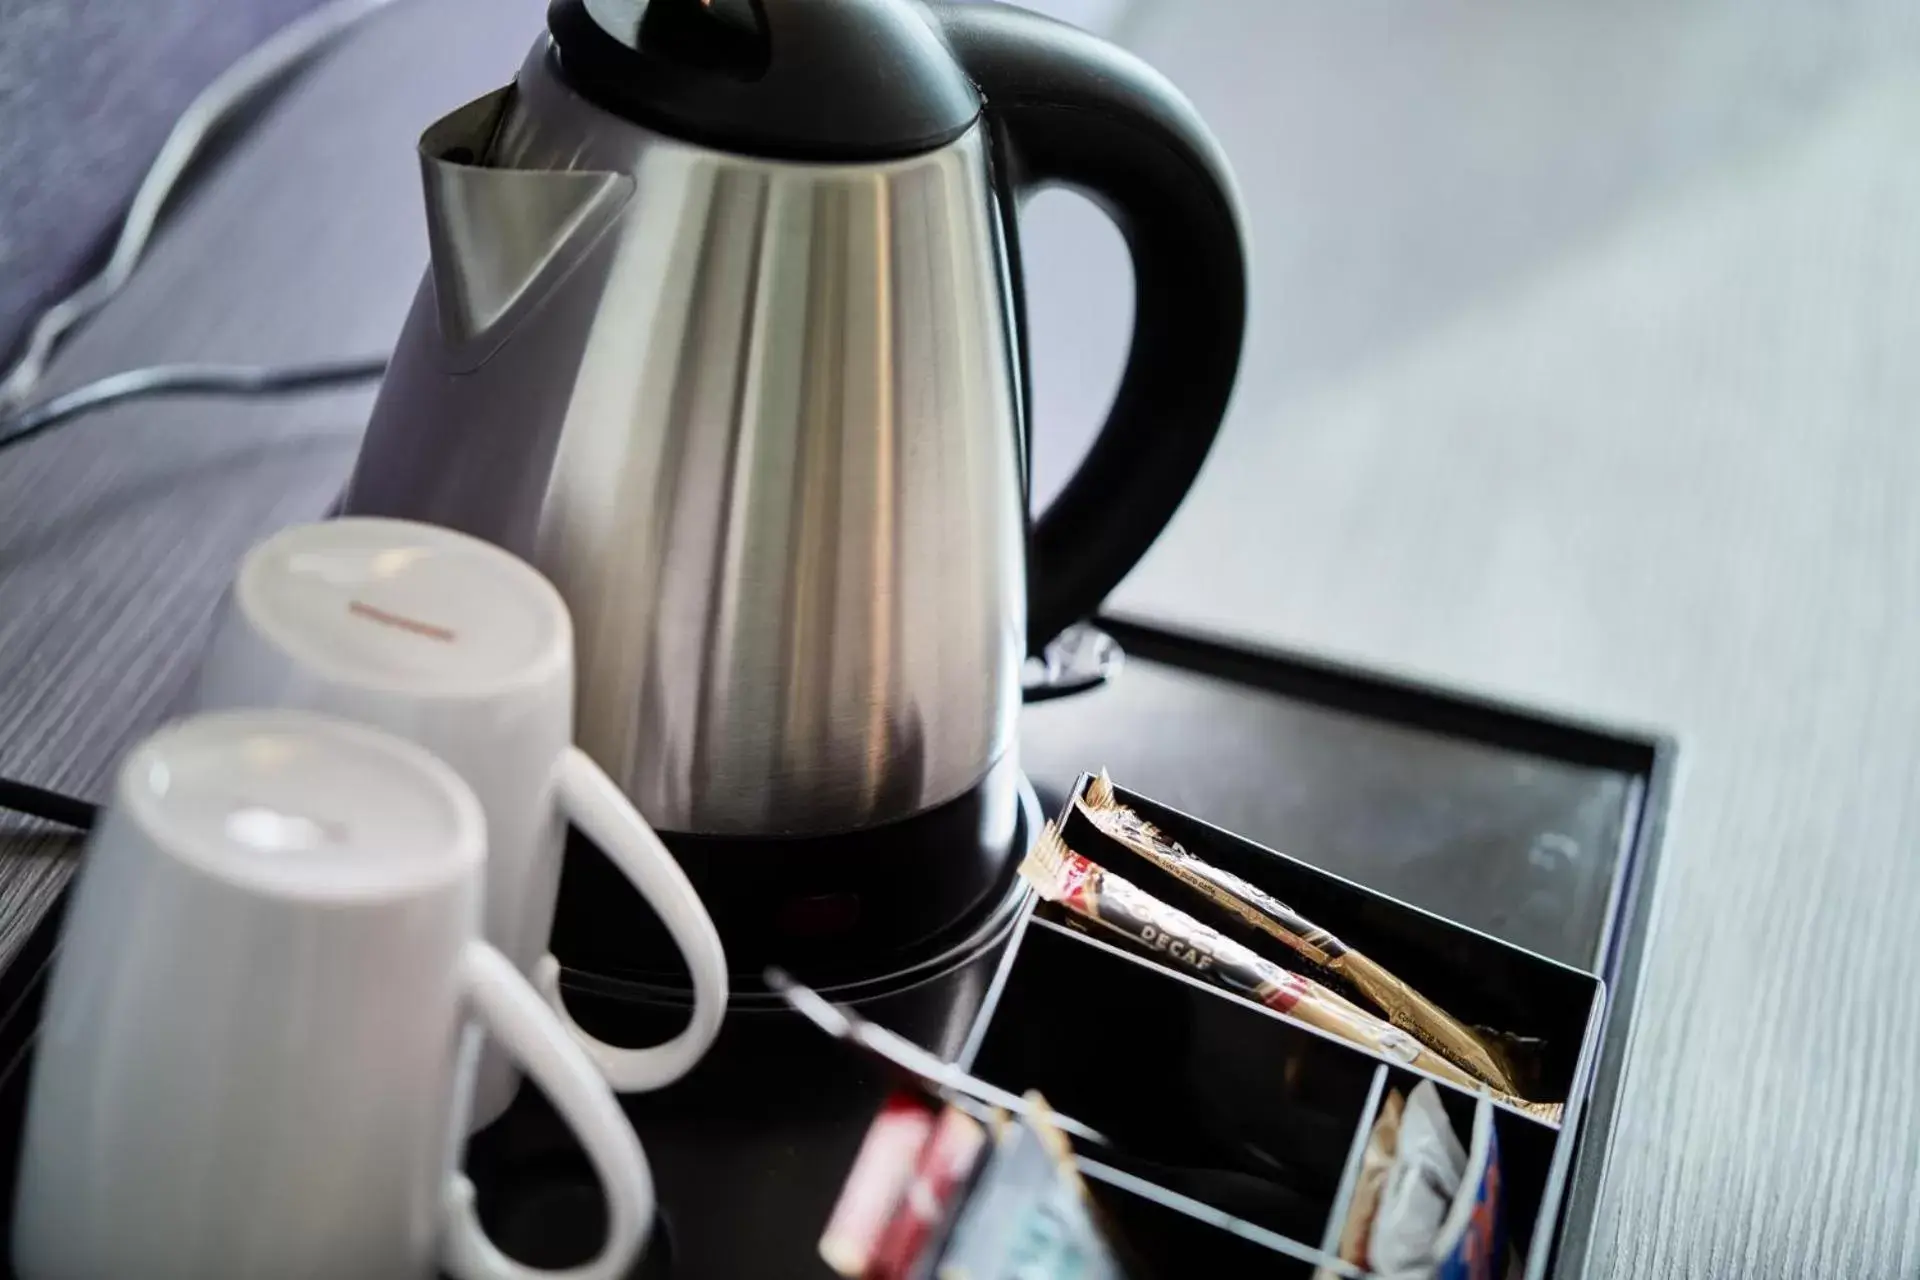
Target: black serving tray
<point>1419,822</point>
<point>1536,830</point>
<point>1246,1110</point>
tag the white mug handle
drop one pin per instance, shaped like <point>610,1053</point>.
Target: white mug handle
<point>514,1015</point>
<point>601,810</point>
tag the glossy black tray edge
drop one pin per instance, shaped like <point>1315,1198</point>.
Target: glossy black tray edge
<point>1648,756</point>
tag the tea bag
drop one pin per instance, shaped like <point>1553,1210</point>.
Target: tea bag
<point>1442,1210</point>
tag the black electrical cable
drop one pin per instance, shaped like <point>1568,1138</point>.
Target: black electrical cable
<point>134,384</point>
<point>49,806</point>
<point>267,64</point>
<point>219,380</point>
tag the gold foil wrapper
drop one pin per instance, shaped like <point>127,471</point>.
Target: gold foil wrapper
<point>1403,1006</point>
<point>1116,905</point>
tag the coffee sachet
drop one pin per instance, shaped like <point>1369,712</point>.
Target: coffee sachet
<point>1028,1215</point>
<point>1393,998</point>
<point>1096,896</point>
<point>1376,1161</point>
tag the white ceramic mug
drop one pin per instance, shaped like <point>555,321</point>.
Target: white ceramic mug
<point>253,1058</point>
<point>461,647</point>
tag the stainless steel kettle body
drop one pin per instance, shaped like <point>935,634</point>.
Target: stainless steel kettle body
<point>760,420</point>
<point>756,421</point>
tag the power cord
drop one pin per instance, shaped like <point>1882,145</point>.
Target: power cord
<point>272,59</point>
<point>267,63</point>
<point>48,806</point>
<point>187,380</point>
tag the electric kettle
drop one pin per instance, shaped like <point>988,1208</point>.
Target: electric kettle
<point>723,330</point>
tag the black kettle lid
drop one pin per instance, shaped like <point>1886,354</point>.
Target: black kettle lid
<point>814,80</point>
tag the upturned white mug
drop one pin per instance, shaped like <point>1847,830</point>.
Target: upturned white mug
<point>465,649</point>
<point>251,1059</point>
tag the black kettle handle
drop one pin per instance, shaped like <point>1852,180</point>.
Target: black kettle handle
<point>1067,107</point>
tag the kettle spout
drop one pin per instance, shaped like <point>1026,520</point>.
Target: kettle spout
<point>500,237</point>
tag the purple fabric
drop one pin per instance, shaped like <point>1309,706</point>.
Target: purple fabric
<point>88,91</point>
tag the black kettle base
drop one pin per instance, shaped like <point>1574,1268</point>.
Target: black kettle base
<point>832,910</point>
<point>769,1058</point>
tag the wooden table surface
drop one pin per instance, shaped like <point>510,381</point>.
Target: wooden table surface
<point>1583,371</point>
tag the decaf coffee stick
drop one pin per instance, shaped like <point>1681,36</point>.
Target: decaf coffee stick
<point>1100,898</point>
<point>1402,1005</point>
<point>1097,895</point>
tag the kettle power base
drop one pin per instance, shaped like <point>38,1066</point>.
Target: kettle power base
<point>929,992</point>
<point>1535,830</point>
<point>833,910</point>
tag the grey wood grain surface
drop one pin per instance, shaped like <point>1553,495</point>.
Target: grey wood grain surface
<point>118,533</point>
<point>1582,372</point>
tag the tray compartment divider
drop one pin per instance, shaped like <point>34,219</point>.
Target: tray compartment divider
<point>1251,1006</point>
<point>1203,1093</point>
<point>1093,1171</point>
<point>1350,1175</point>
<point>990,1002</point>
<point>1540,1250</point>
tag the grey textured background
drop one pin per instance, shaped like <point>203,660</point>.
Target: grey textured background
<point>88,90</point>
<point>1582,372</point>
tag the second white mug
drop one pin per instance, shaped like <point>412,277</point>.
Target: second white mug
<point>466,650</point>
<point>251,1061</point>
